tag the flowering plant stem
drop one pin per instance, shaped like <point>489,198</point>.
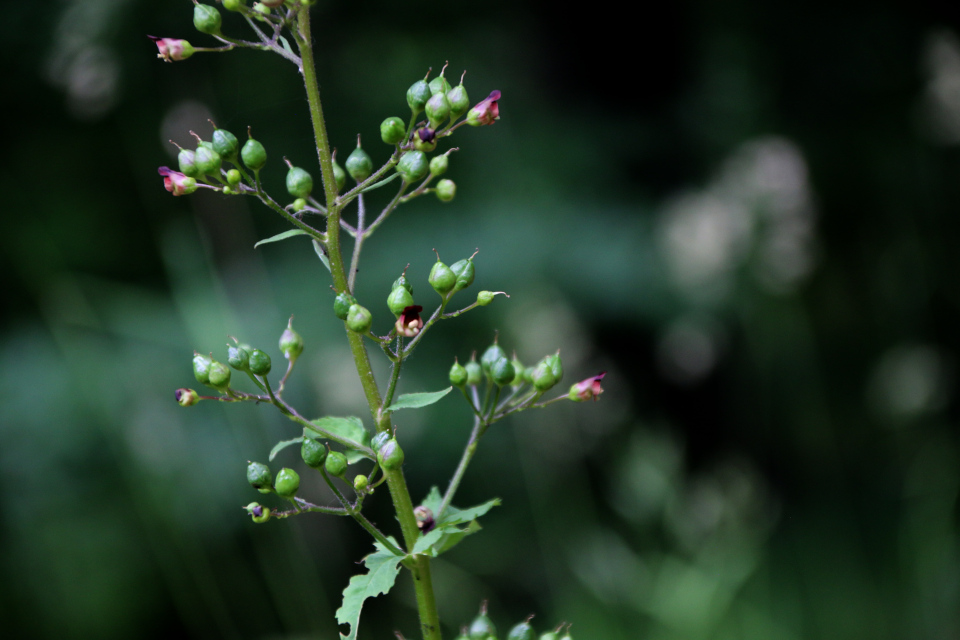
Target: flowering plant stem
<point>419,565</point>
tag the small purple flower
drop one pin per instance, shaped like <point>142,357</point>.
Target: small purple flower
<point>177,183</point>
<point>172,49</point>
<point>409,323</point>
<point>486,111</point>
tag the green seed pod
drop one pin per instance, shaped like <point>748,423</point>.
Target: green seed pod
<point>556,366</point>
<point>402,282</point>
<point>226,144</point>
<point>549,635</point>
<point>417,96</point>
<point>287,483</point>
<point>234,177</point>
<point>253,154</point>
<point>186,397</point>
<point>528,374</point>
<point>298,205</point>
<point>542,377</point>
<point>201,368</point>
<point>482,627</point>
<point>359,319</point>
<point>313,453</point>
<point>425,139</point>
<point>439,85</point>
<point>359,164</point>
<point>438,165</point>
<point>339,175</point>
<point>502,372</point>
<point>442,278</point>
<point>188,164</point>
<point>299,182</point>
<point>493,353</point>
<point>207,159</point>
<point>206,19</point>
<point>465,273</point>
<point>392,130</point>
<point>238,357</point>
<point>360,483</point>
<point>342,304</point>
<point>459,102</point>
<point>219,376</point>
<point>390,455</point>
<point>259,363</point>
<point>438,109</point>
<point>485,297</point>
<point>474,373</point>
<point>259,477</point>
<point>567,636</point>
<point>518,370</point>
<point>398,300</point>
<point>413,166</point>
<point>458,375</point>
<point>232,5</point>
<point>259,513</point>
<point>522,631</point>
<point>380,439</point>
<point>446,190</point>
<point>463,634</point>
<point>291,342</point>
<point>336,464</point>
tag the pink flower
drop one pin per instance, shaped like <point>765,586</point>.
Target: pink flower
<point>587,389</point>
<point>177,183</point>
<point>409,323</point>
<point>172,49</point>
<point>486,111</point>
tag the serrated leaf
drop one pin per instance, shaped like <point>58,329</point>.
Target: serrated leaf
<point>283,444</point>
<point>417,400</point>
<point>320,254</point>
<point>452,515</point>
<point>282,236</point>
<point>350,429</point>
<point>382,569</point>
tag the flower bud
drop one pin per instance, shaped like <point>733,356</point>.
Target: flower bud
<point>359,319</point>
<point>465,273</point>
<point>542,377</point>
<point>485,297</point>
<point>458,375</point>
<point>446,190</point>
<point>172,49</point>
<point>474,373</point>
<point>299,182</point>
<point>359,164</point>
<point>219,376</point>
<point>342,304</point>
<point>390,455</point>
<point>259,513</point>
<point>360,482</point>
<point>259,363</point>
<point>234,177</point>
<point>502,372</point>
<point>438,109</point>
<point>425,139</point>
<point>206,19</point>
<point>335,464</point>
<point>187,397</point>
<point>392,130</point>
<point>587,389</point>
<point>177,183</point>
<point>438,165</point>
<point>313,453</point>
<point>409,323</point>
<point>259,477</point>
<point>485,112</point>
<point>298,205</point>
<point>398,300</point>
<point>238,357</point>
<point>442,278</point>
<point>424,516</point>
<point>291,343</point>
<point>417,96</point>
<point>459,101</point>
<point>226,144</point>
<point>287,483</point>
<point>207,160</point>
<point>201,368</point>
<point>187,163</point>
<point>253,154</point>
<point>556,366</point>
<point>413,166</point>
<point>493,353</point>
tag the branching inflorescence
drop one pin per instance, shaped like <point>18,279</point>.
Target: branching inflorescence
<point>494,386</point>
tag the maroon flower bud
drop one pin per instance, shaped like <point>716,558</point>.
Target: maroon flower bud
<point>177,183</point>
<point>486,111</point>
<point>424,516</point>
<point>587,389</point>
<point>172,49</point>
<point>409,323</point>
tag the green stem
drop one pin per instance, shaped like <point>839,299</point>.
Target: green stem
<point>479,428</point>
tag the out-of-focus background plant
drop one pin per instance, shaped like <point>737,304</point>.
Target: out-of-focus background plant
<point>747,213</point>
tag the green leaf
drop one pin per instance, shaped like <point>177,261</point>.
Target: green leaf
<point>382,569</point>
<point>321,254</point>
<point>417,400</point>
<point>350,428</point>
<point>283,444</point>
<point>447,533</point>
<point>286,45</point>
<point>282,236</point>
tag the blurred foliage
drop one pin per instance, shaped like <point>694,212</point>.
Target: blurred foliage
<point>745,212</point>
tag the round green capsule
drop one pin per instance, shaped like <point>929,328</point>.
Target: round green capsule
<point>459,101</point>
<point>219,376</point>
<point>442,278</point>
<point>226,144</point>
<point>359,165</point>
<point>556,365</point>
<point>232,5</point>
<point>439,165</point>
<point>522,631</point>
<point>482,626</point>
<point>502,372</point>
<point>465,273</point>
<point>485,297</point>
<point>398,300</point>
<point>186,160</point>
<point>458,375</point>
<point>201,368</point>
<point>542,377</point>
<point>234,177</point>
<point>359,319</point>
<point>390,455</point>
<point>313,453</point>
<point>417,96</point>
<point>238,357</point>
<point>392,130</point>
<point>259,513</point>
<point>259,477</point>
<point>474,373</point>
<point>438,109</point>
<point>380,439</point>
<point>402,282</point>
<point>287,483</point>
<point>336,464</point>
<point>339,175</point>
<point>259,363</point>
<point>493,353</point>
<point>207,160</point>
<point>299,182</point>
<point>206,19</point>
<point>253,154</point>
<point>446,190</point>
<point>291,342</point>
<point>360,483</point>
<point>342,304</point>
<point>413,166</point>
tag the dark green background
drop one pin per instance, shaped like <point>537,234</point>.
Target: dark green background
<point>775,455</point>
